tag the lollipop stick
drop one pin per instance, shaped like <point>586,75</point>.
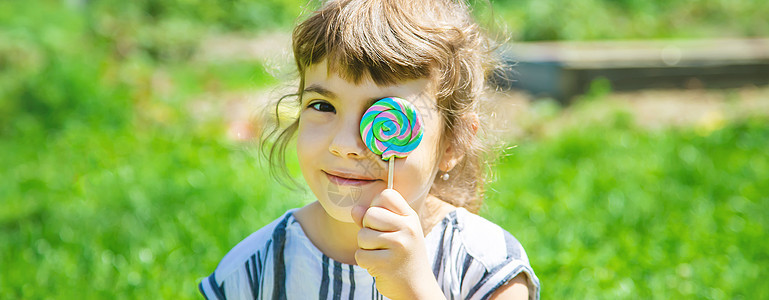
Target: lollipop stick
<point>390,173</point>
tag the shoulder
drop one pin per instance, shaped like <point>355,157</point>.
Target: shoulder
<point>496,255</point>
<point>258,241</point>
<point>487,242</point>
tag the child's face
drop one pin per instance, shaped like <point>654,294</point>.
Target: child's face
<point>340,170</point>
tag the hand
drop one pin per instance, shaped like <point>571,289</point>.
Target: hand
<point>391,248</point>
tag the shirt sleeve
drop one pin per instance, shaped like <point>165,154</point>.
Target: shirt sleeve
<point>494,257</point>
<point>499,275</point>
<point>210,289</point>
<point>246,272</point>
<point>238,285</point>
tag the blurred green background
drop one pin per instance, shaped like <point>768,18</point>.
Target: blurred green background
<point>115,185</point>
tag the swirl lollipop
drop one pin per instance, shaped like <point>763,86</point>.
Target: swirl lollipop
<point>392,128</point>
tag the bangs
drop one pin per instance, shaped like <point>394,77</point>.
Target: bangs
<point>360,38</point>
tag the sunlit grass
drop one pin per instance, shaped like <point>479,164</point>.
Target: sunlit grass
<point>633,213</point>
<point>140,213</point>
<point>112,188</point>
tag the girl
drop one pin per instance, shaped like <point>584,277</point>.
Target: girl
<point>360,240</point>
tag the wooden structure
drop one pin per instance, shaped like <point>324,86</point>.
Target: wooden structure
<point>562,70</point>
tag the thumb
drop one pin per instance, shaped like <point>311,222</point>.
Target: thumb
<point>357,213</point>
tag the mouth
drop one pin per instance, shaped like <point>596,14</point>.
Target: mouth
<point>344,178</point>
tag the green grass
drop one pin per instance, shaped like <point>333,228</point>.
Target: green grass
<point>138,213</point>
<point>604,210</point>
<point>111,189</point>
<point>530,20</point>
<point>616,212</point>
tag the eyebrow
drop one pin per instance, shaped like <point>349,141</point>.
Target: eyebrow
<point>320,90</point>
<point>326,93</point>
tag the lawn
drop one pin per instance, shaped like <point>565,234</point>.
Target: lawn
<point>114,187</point>
<point>611,211</point>
<point>604,210</point>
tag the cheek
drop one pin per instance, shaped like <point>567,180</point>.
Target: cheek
<point>309,143</point>
<point>428,152</point>
<point>416,170</point>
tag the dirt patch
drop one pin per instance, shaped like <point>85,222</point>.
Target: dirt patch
<point>660,108</point>
<point>516,115</point>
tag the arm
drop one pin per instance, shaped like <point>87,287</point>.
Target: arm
<point>516,288</point>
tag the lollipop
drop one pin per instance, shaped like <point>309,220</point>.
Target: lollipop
<point>392,128</point>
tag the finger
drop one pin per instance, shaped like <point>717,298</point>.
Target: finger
<point>370,259</point>
<point>369,239</point>
<point>357,213</point>
<point>394,202</point>
<point>382,219</point>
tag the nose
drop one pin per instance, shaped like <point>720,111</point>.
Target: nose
<point>347,142</point>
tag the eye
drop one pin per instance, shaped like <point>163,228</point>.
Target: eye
<point>322,106</point>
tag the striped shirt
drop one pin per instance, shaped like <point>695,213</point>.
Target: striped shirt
<point>471,257</point>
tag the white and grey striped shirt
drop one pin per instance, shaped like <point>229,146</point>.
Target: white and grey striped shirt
<point>471,257</point>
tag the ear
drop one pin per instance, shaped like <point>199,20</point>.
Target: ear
<point>451,155</point>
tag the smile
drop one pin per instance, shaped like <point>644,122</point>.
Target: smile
<point>340,178</point>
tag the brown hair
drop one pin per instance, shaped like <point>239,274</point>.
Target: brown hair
<point>396,40</point>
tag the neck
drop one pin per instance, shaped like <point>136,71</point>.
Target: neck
<point>432,211</point>
<point>337,240</point>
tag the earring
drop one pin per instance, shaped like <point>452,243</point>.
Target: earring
<point>445,176</point>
